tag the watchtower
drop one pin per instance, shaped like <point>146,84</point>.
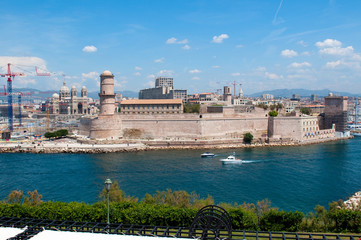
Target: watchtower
<point>107,96</point>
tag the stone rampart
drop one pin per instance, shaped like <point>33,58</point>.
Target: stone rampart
<point>194,127</point>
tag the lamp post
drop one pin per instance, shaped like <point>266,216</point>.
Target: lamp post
<point>107,183</point>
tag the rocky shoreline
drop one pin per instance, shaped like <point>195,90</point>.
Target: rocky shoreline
<point>353,202</point>
<point>71,145</point>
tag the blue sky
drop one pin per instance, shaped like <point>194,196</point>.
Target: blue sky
<point>204,45</point>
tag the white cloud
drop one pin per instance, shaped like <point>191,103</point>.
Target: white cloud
<point>136,68</point>
<point>333,64</point>
<point>300,65</point>
<point>186,47</point>
<point>302,43</point>
<point>149,84</point>
<point>25,81</point>
<point>120,82</point>
<point>195,78</point>
<point>160,60</point>
<point>173,40</point>
<point>220,38</point>
<point>306,54</point>
<point>261,69</point>
<point>195,71</point>
<point>151,76</point>
<point>337,51</point>
<point>236,74</point>
<point>289,53</point>
<point>137,74</point>
<point>272,76</point>
<point>90,75</point>
<point>328,43</point>
<point>166,73</point>
<point>90,49</point>
<point>239,46</point>
<point>344,64</point>
<point>216,66</point>
<point>27,63</point>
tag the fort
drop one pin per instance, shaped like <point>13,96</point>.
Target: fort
<point>227,126</point>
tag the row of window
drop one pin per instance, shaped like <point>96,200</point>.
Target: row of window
<point>151,107</point>
<point>310,129</point>
<point>314,122</point>
<point>150,112</point>
<point>314,134</point>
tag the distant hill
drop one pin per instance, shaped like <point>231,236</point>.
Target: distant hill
<point>287,93</point>
<point>129,94</point>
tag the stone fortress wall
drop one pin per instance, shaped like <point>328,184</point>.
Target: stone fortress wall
<point>226,125</point>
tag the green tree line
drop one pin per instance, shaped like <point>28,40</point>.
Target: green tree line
<point>56,134</point>
<point>178,208</point>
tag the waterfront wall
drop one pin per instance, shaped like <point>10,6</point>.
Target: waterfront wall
<point>193,126</point>
<point>304,128</point>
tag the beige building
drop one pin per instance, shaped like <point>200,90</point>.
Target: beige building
<point>151,106</point>
<point>302,128</point>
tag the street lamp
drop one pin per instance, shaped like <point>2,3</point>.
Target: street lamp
<point>107,183</point>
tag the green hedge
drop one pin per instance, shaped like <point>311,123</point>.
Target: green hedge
<point>178,208</point>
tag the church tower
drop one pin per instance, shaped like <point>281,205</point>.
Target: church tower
<point>107,96</point>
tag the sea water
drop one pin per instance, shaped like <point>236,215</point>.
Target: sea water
<point>292,178</point>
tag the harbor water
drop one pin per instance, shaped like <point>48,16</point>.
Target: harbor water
<point>292,178</point>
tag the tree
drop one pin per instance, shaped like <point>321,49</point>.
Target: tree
<point>273,113</point>
<point>279,106</point>
<point>116,194</point>
<point>61,133</point>
<point>262,105</point>
<point>306,111</point>
<point>191,108</point>
<point>247,138</point>
<point>34,198</point>
<point>49,135</point>
<point>15,196</point>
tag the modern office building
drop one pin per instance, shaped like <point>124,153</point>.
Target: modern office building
<point>163,90</point>
<point>336,112</point>
<point>164,82</point>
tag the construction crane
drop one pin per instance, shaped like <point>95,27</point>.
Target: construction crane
<point>41,74</point>
<point>10,75</point>
<point>234,87</point>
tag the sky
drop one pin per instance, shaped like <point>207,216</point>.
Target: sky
<point>203,44</point>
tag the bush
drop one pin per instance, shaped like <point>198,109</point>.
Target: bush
<point>191,108</point>
<point>306,111</point>
<point>247,138</point>
<point>273,113</point>
<point>59,133</point>
<point>275,220</point>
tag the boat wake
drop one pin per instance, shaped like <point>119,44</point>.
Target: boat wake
<point>254,161</point>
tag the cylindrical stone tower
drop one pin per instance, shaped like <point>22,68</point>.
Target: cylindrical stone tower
<point>107,96</point>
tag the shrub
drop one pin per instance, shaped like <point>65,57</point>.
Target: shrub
<point>273,113</point>
<point>247,138</point>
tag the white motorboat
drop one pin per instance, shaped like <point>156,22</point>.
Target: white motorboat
<point>355,133</point>
<point>207,154</point>
<point>231,159</point>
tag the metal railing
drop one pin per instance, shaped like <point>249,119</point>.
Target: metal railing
<point>35,226</point>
